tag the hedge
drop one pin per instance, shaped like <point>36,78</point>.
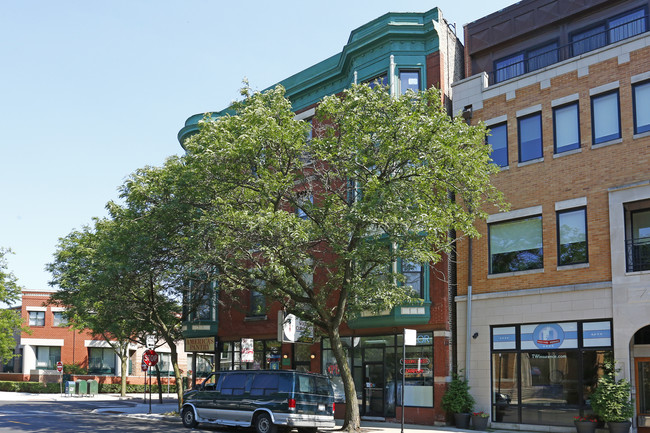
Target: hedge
<point>55,388</point>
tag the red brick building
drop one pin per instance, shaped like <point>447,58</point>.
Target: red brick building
<point>50,339</point>
<point>403,51</point>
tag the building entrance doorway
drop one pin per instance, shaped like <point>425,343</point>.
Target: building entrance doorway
<point>374,382</point>
<point>642,370</point>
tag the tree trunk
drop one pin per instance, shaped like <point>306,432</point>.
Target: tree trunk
<point>160,399</point>
<point>124,359</point>
<point>177,375</point>
<point>352,422</point>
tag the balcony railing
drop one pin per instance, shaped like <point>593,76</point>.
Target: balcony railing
<point>583,43</point>
<point>637,254</point>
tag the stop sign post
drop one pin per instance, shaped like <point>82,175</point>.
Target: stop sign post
<point>59,368</point>
<point>150,359</point>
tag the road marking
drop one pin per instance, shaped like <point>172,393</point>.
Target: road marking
<point>18,422</point>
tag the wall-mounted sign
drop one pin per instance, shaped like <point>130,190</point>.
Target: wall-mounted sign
<point>200,344</point>
<point>548,336</point>
<point>292,329</point>
<point>504,338</point>
<point>596,334</point>
<point>247,350</point>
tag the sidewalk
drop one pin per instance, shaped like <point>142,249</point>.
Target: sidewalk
<point>138,409</point>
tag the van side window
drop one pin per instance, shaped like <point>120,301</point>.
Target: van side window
<point>265,384</point>
<point>303,384</point>
<point>313,385</point>
<point>234,384</point>
<point>321,386</point>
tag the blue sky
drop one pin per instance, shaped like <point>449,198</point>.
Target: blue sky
<point>92,90</point>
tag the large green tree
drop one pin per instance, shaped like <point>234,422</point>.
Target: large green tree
<point>319,224</point>
<point>10,321</point>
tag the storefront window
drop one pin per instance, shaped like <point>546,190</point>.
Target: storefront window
<point>418,368</point>
<point>377,364</point>
<point>267,355</point>
<point>204,364</point>
<point>505,383</point>
<point>532,385</point>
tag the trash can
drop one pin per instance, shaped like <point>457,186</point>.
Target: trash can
<point>93,387</point>
<point>69,387</point>
<point>82,387</point>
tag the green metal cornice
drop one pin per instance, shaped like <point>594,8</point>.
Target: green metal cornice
<point>409,36</point>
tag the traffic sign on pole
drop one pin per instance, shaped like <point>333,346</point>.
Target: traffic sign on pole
<point>150,357</point>
<point>59,367</point>
<point>144,366</point>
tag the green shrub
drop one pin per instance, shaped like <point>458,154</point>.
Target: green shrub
<point>74,369</point>
<point>611,400</point>
<point>53,388</point>
<point>457,399</point>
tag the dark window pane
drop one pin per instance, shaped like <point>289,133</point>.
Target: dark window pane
<point>530,137</point>
<point>592,368</point>
<point>516,245</point>
<point>589,40</point>
<point>498,140</point>
<point>509,67</point>
<point>642,108</point>
<point>566,128</point>
<point>505,384</point>
<point>572,237</point>
<point>605,118</point>
<point>413,274</point>
<point>549,378</point>
<point>541,57</point>
<point>381,80</point>
<point>409,80</point>
<point>626,26</point>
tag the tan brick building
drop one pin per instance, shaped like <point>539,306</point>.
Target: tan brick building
<point>561,278</point>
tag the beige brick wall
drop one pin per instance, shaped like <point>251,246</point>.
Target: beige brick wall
<point>588,173</point>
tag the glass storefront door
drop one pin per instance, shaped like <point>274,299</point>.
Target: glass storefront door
<point>643,393</point>
<point>373,385</point>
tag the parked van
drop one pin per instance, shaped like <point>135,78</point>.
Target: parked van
<point>265,399</point>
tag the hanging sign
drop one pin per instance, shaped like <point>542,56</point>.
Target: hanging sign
<point>247,350</point>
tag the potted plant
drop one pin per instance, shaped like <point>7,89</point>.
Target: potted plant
<point>480,420</point>
<point>458,400</point>
<point>585,424</point>
<point>611,400</point>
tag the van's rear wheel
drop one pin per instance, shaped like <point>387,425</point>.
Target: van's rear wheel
<point>188,417</point>
<point>263,424</point>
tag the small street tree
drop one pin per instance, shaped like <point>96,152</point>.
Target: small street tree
<point>318,224</point>
<point>82,273</point>
<point>124,277</point>
<point>10,321</point>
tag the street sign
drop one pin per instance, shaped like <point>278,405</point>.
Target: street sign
<point>151,341</point>
<point>150,357</point>
<point>59,367</point>
<point>144,366</point>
